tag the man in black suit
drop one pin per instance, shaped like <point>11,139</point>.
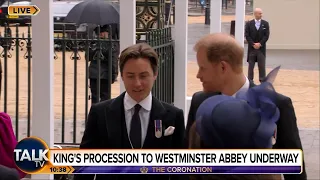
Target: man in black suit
<point>257,34</point>
<point>128,121</point>
<point>220,57</point>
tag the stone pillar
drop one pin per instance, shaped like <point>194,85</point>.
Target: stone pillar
<point>240,20</point>
<point>181,55</point>
<point>42,76</point>
<point>127,27</point>
<point>215,16</point>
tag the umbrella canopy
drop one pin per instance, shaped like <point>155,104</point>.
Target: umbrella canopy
<point>95,12</point>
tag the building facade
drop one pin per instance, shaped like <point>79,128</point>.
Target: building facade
<point>294,24</point>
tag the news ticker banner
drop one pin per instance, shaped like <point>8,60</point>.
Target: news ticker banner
<point>33,156</point>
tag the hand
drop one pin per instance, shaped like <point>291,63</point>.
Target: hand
<point>259,45</point>
<point>256,45</point>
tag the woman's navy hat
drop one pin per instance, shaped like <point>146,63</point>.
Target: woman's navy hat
<point>246,121</point>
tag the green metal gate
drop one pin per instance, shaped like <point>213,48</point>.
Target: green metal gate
<point>71,103</point>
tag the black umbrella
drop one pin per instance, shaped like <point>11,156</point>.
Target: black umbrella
<point>95,12</point>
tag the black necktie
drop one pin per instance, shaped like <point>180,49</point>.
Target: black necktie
<point>135,129</point>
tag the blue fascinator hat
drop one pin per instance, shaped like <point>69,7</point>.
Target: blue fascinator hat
<point>247,121</point>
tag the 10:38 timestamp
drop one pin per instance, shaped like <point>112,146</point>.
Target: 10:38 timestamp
<point>58,169</point>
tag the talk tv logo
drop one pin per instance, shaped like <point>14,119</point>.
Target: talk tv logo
<point>31,155</point>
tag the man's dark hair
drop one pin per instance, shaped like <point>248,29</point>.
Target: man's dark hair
<point>104,28</point>
<point>141,50</point>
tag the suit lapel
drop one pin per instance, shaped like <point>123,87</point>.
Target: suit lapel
<point>251,84</point>
<point>157,113</point>
<point>253,24</point>
<point>116,125</point>
<point>261,25</point>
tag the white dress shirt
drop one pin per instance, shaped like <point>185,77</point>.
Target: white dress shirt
<point>144,113</point>
<point>257,23</point>
<point>244,88</point>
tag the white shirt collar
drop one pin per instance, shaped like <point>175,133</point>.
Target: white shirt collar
<point>129,103</point>
<point>244,88</point>
<point>257,20</point>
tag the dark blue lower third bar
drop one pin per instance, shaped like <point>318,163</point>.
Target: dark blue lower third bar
<point>187,169</point>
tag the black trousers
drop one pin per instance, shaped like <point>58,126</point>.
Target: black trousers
<point>257,56</point>
<point>104,91</point>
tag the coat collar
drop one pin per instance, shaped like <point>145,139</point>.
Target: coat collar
<point>253,24</point>
<point>129,103</point>
<point>251,84</point>
<point>116,122</point>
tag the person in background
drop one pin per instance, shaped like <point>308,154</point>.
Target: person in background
<point>8,142</point>
<point>6,45</point>
<point>257,34</point>
<point>94,54</point>
<point>168,9</point>
<point>203,4</point>
<point>220,61</point>
<point>135,119</point>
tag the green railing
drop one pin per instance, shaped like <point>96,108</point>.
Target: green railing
<point>161,41</point>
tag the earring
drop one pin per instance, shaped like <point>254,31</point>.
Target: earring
<point>273,140</point>
<point>274,137</point>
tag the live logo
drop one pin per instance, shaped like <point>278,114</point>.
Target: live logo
<point>21,10</point>
<point>29,10</point>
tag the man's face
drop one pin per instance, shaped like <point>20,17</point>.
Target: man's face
<point>258,14</point>
<point>138,78</point>
<point>104,35</point>
<point>209,73</point>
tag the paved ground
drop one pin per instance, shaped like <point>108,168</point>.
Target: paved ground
<point>196,10</point>
<point>310,142</point>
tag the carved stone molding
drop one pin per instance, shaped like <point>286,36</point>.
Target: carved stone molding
<point>150,15</point>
